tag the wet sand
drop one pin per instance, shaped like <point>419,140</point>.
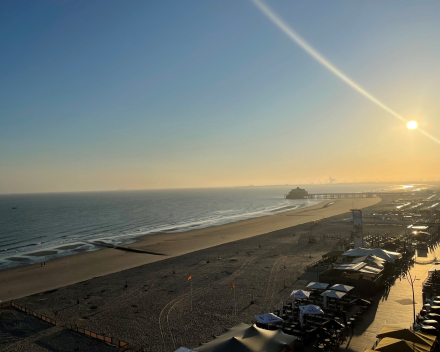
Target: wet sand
<point>27,280</point>
<point>42,253</point>
<point>18,259</point>
<point>72,246</point>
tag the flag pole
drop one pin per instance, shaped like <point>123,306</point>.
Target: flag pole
<point>191,285</point>
<point>235,302</point>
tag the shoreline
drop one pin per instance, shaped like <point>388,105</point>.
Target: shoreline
<point>60,250</point>
<point>27,280</point>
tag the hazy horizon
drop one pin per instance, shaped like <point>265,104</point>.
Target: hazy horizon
<point>111,95</point>
<point>401,183</point>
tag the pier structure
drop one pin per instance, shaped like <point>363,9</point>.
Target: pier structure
<point>353,195</point>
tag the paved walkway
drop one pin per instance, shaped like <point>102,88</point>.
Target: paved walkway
<point>394,310</point>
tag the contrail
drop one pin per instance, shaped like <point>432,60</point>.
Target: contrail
<point>327,64</point>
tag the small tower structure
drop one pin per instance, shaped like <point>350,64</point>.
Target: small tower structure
<point>358,235</point>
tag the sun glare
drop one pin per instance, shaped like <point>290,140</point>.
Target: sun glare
<point>283,26</point>
<point>412,125</point>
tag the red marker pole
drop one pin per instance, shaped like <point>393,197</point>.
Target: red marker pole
<point>235,301</point>
<point>191,290</point>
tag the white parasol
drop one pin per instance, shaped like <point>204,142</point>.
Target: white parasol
<point>268,318</point>
<point>333,294</point>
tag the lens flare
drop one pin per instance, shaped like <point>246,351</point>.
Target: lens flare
<point>276,20</point>
<point>412,125</point>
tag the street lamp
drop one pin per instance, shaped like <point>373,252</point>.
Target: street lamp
<point>411,282</point>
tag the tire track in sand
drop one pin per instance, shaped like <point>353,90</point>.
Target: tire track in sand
<point>184,296</point>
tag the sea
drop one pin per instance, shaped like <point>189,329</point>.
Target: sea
<point>68,223</point>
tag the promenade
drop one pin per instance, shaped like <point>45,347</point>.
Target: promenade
<point>393,309</point>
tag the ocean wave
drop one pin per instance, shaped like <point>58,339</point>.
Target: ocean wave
<point>211,221</point>
<point>125,234</point>
<point>120,220</point>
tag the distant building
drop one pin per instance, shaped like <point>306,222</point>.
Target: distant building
<point>297,193</point>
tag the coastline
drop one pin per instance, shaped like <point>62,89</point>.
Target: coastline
<point>27,280</point>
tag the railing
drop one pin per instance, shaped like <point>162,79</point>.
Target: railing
<point>28,312</point>
<point>122,346</point>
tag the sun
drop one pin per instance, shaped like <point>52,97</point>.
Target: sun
<point>412,125</point>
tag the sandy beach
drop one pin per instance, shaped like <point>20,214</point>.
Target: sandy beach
<point>28,280</point>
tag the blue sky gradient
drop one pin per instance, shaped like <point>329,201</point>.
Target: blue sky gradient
<point>134,94</point>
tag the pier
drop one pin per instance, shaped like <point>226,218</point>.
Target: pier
<point>354,195</point>
<point>300,193</point>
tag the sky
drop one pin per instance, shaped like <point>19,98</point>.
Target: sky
<point>103,95</point>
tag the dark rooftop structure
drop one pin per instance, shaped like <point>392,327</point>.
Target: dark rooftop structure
<point>297,193</point>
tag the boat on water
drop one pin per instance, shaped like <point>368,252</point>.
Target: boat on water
<point>297,193</point>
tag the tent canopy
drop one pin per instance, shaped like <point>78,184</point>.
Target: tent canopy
<point>389,344</point>
<point>311,309</point>
<point>371,260</point>
<point>300,294</point>
<point>231,344</point>
<point>317,286</point>
<point>248,338</point>
<point>343,288</point>
<point>333,294</point>
<point>268,318</point>
<point>407,335</point>
<point>380,253</point>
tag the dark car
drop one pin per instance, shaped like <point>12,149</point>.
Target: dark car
<point>431,322</point>
<point>427,329</point>
<point>435,309</point>
<point>432,316</point>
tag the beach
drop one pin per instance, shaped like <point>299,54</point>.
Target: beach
<point>27,280</point>
<point>149,305</point>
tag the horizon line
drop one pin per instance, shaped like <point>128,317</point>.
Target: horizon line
<point>217,187</point>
